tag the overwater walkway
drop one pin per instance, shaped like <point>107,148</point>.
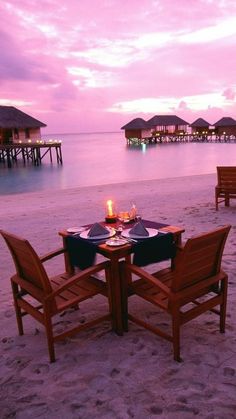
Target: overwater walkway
<point>30,152</point>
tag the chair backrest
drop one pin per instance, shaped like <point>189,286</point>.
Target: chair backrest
<point>200,258</point>
<point>226,176</point>
<point>27,263</point>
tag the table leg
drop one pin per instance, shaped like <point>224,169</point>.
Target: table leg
<point>126,279</point>
<point>116,301</point>
<point>68,267</point>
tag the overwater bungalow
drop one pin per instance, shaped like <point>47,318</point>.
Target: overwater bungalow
<point>137,130</point>
<point>16,126</point>
<point>167,124</point>
<point>226,126</point>
<point>201,127</point>
<point>171,128</point>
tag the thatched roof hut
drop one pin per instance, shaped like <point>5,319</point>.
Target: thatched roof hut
<point>137,123</point>
<point>226,126</point>
<point>11,117</point>
<point>170,124</point>
<point>200,123</point>
<point>166,120</point>
<point>200,126</point>
<point>137,128</point>
<point>15,125</point>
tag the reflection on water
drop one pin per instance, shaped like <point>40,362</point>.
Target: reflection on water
<point>96,159</point>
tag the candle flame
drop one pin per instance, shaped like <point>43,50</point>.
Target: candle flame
<point>109,207</point>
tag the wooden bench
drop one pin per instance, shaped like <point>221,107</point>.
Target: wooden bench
<point>226,187</point>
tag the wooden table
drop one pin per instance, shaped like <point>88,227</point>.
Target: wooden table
<point>115,254</point>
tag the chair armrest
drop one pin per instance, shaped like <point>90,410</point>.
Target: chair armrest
<point>52,254</point>
<point>150,278</point>
<point>86,273</point>
<point>201,285</point>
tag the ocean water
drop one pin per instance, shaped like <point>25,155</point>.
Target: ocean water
<point>101,158</point>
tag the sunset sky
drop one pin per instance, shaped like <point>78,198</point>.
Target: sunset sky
<point>93,65</point>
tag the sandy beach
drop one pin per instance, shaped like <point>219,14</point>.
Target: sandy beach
<point>97,373</point>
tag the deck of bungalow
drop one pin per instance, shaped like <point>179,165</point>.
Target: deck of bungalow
<point>20,138</point>
<point>30,152</point>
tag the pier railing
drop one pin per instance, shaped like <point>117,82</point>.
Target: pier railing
<point>183,138</point>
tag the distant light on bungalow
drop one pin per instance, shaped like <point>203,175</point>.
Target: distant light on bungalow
<point>29,141</point>
<point>224,133</point>
<point>144,147</point>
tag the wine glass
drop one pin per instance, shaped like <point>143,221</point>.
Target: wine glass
<point>121,225</point>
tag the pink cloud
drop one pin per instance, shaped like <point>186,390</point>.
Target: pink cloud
<point>71,63</point>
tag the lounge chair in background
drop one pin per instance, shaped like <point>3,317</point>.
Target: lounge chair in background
<point>226,186</point>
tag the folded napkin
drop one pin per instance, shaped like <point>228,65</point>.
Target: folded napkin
<point>139,230</point>
<point>97,230</point>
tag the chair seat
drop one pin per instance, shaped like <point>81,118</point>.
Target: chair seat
<point>149,291</point>
<point>78,292</point>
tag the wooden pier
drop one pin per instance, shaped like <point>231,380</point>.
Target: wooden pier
<point>182,138</point>
<point>30,152</point>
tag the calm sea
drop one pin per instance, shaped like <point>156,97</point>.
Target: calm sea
<point>96,159</point>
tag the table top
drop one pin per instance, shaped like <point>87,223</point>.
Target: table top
<point>125,249</point>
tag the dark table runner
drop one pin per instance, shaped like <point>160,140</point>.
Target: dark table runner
<point>153,250</point>
<point>82,252</point>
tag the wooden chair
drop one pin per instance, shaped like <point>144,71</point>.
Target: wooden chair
<point>32,286</point>
<point>226,186</point>
<point>195,278</point>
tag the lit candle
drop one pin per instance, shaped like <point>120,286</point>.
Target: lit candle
<point>111,216</point>
<point>109,208</point>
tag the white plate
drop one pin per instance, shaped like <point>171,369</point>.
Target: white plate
<point>152,232</point>
<point>116,242</point>
<point>110,233</point>
<point>75,229</point>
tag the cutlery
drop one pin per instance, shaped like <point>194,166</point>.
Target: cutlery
<point>131,240</point>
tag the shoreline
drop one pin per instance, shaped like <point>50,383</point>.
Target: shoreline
<point>98,374</point>
<point>107,185</point>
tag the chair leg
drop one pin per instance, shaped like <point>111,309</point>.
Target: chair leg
<point>15,291</point>
<point>216,201</point>
<point>176,335</point>
<point>125,279</point>
<point>224,287</point>
<point>49,333</point>
<point>227,200</point>
<point>108,282</point>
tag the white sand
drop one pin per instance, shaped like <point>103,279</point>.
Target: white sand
<point>98,374</point>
